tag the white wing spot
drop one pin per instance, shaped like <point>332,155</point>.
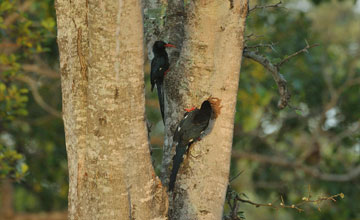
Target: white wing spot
<point>186,116</point>
<point>179,128</point>
<point>191,140</point>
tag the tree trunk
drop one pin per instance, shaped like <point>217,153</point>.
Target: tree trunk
<point>6,196</point>
<point>101,61</point>
<point>209,65</point>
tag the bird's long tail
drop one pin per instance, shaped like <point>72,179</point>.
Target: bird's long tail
<point>152,86</point>
<point>160,90</point>
<point>177,160</point>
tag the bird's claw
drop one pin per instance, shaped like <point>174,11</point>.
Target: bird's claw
<point>188,154</point>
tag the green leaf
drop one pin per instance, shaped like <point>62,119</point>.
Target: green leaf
<point>299,112</point>
<point>48,23</point>
<point>24,168</point>
<point>2,87</point>
<point>5,6</point>
<point>22,112</point>
<point>23,90</point>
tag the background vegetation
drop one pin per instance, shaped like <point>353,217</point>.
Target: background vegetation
<point>280,153</point>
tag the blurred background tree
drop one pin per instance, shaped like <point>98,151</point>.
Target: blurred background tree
<point>313,142</point>
<point>32,152</point>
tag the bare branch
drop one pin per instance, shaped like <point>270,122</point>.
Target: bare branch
<point>329,83</point>
<point>42,70</point>
<point>275,71</point>
<point>271,46</point>
<point>252,36</point>
<point>348,131</point>
<point>312,171</point>
<point>237,197</point>
<point>279,79</point>
<point>335,94</point>
<point>37,96</point>
<point>12,17</point>
<point>236,176</point>
<point>277,5</point>
<point>8,45</point>
<point>305,49</point>
<point>354,82</point>
<point>254,203</point>
<point>6,198</point>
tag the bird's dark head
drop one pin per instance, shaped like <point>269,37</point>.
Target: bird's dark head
<point>159,46</point>
<point>205,105</point>
<point>204,114</point>
<point>206,108</point>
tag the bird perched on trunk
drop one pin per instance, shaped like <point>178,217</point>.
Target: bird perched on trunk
<point>159,68</point>
<point>189,130</point>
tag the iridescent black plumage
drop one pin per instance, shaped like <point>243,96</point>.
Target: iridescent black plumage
<point>159,67</point>
<point>188,131</point>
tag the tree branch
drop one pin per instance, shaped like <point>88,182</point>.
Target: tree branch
<point>252,36</point>
<point>12,17</point>
<point>305,49</point>
<point>312,171</point>
<point>6,198</point>
<point>335,93</point>
<point>42,70</point>
<point>233,198</point>
<point>279,79</point>
<point>271,46</point>
<point>277,5</point>
<point>294,206</point>
<point>37,96</point>
<point>275,71</point>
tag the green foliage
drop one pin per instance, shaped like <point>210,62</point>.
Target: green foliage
<point>36,137</point>
<point>12,101</point>
<point>324,109</point>
<point>27,132</point>
<point>11,164</point>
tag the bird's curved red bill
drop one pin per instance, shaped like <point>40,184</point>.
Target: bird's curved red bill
<point>169,45</point>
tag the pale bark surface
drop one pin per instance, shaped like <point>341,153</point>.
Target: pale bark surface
<point>101,60</point>
<point>209,65</point>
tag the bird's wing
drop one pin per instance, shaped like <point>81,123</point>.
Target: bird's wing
<point>154,65</point>
<point>158,67</point>
<point>194,132</point>
<point>182,124</point>
<point>188,130</point>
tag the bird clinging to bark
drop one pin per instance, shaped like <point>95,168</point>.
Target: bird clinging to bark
<point>189,130</point>
<point>159,68</point>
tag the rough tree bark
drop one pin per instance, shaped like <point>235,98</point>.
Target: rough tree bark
<point>209,65</point>
<point>101,60</point>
